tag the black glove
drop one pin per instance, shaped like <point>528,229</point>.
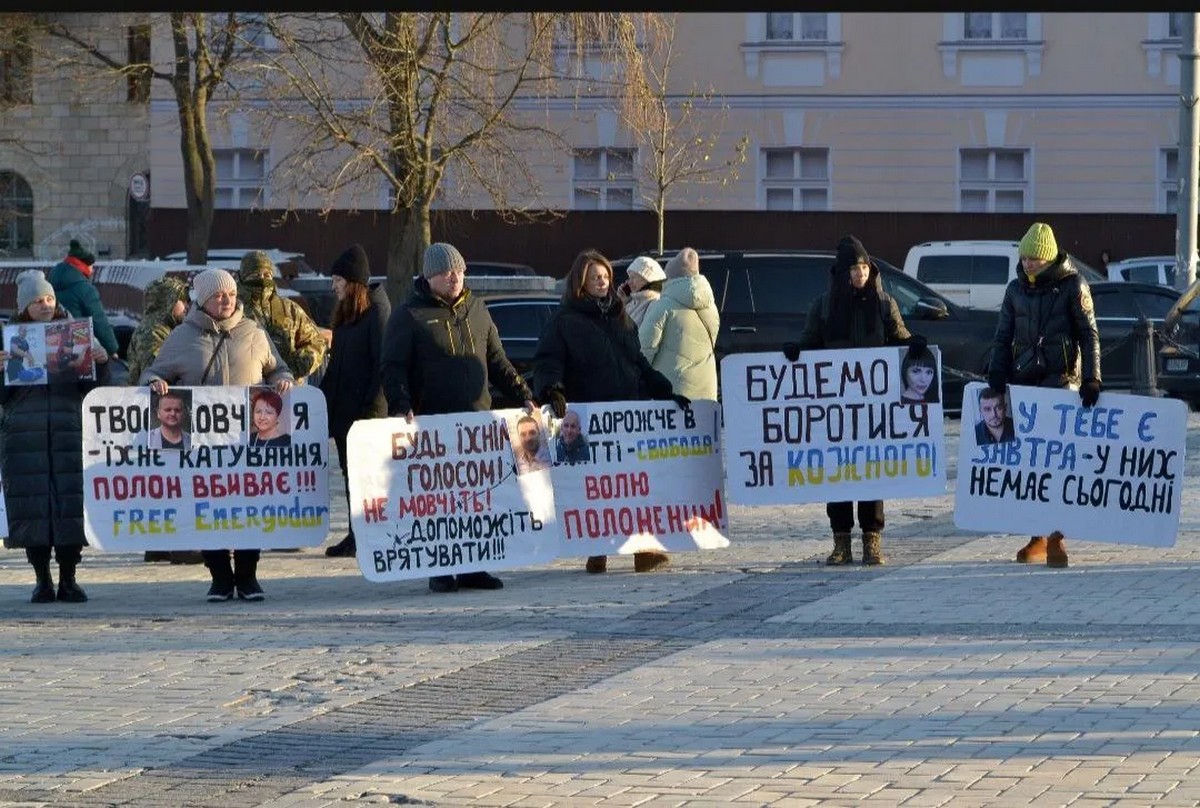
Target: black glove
<point>684,402</point>
<point>555,397</point>
<point>791,350</point>
<point>918,343</point>
<point>996,381</point>
<point>1089,392</point>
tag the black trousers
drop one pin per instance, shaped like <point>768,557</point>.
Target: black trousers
<point>340,442</point>
<point>870,516</point>
<point>68,555</point>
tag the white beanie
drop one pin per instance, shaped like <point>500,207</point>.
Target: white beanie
<point>209,282</point>
<point>685,263</point>
<point>32,284</point>
<point>648,268</point>
<point>441,257</point>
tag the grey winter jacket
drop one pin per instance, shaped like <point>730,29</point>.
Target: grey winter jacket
<point>244,353</point>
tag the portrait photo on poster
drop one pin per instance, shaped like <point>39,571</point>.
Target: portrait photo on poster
<point>993,418</point>
<point>269,423</point>
<point>25,344</point>
<point>919,380</point>
<point>570,441</point>
<point>527,437</point>
<point>170,420</point>
<point>69,356</point>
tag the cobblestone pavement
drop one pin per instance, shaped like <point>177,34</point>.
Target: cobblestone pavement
<point>752,675</point>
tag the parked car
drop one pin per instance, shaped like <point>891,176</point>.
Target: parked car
<point>498,269</point>
<point>764,297</point>
<point>973,273</point>
<point>287,264</point>
<point>1159,269</point>
<point>520,319</point>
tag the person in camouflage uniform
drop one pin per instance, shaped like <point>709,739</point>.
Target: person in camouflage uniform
<point>293,331</point>
<point>166,303</point>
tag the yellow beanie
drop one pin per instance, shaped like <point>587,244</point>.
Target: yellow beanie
<point>1039,242</point>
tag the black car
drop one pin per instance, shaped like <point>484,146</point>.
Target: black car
<point>520,319</point>
<point>764,297</point>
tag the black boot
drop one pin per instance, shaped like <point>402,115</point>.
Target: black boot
<point>443,583</point>
<point>68,590</point>
<point>346,547</point>
<point>219,568</point>
<point>245,569</point>
<point>39,557</point>
<point>478,580</point>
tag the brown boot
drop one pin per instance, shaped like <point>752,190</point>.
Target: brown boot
<point>873,549</point>
<point>650,561</point>
<point>1034,551</point>
<point>1056,550</point>
<point>597,564</point>
<point>842,554</point>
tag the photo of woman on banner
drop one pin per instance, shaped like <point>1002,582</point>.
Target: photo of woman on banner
<point>529,448</point>
<point>571,444</point>
<point>918,377</point>
<point>268,425</point>
<point>21,367</point>
<point>994,424</point>
<point>170,420</point>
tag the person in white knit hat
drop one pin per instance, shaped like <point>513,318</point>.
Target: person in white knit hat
<point>216,345</point>
<point>643,287</point>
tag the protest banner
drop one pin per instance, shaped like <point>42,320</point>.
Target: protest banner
<point>59,351</point>
<point>650,477</point>
<point>831,427</point>
<point>192,469</point>
<point>1037,461</point>
<point>444,495</point>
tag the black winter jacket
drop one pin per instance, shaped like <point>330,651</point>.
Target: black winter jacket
<point>594,355</point>
<point>438,357</point>
<point>351,383</point>
<point>1057,308</point>
<point>41,460</point>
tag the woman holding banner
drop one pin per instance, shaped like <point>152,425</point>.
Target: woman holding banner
<point>855,313</point>
<point>42,457</point>
<point>216,345</point>
<point>589,351</point>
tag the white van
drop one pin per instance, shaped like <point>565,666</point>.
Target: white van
<point>1158,269</point>
<point>973,273</point>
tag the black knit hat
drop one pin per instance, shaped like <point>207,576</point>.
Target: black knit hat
<point>77,250</point>
<point>353,265</point>
<point>849,252</point>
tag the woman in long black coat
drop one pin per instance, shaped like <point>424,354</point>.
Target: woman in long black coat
<point>589,351</point>
<point>352,383</point>
<point>42,457</point>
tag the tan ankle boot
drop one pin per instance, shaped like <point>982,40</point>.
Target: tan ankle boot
<point>1034,551</point>
<point>1056,550</point>
<point>873,548</point>
<point>842,552</point>
<point>650,561</point>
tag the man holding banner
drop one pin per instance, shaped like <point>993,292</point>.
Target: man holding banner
<point>439,353</point>
<point>854,313</point>
<point>1046,337</point>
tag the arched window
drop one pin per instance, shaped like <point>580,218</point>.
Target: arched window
<point>16,215</point>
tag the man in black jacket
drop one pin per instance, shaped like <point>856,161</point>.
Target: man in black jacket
<point>1046,337</point>
<point>439,352</point>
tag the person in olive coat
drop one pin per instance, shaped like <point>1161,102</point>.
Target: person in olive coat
<point>352,384</point>
<point>589,351</point>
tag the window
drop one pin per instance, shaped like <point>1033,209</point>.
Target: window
<point>522,321</point>
<point>785,284</point>
<point>1175,24</point>
<point>16,215</point>
<point>995,25</point>
<point>1168,185</point>
<point>137,39</point>
<point>241,175</point>
<point>604,179</point>
<point>799,27</point>
<point>796,179</point>
<point>16,69</point>
<point>993,180</point>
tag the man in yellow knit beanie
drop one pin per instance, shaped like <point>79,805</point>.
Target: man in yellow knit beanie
<point>1046,337</point>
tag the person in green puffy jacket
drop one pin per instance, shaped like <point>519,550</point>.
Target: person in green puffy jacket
<point>71,279</point>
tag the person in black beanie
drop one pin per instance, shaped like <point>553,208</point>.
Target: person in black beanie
<point>854,313</point>
<point>352,384</point>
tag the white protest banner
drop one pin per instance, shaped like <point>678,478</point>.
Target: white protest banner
<point>204,468</point>
<point>833,426</point>
<point>58,351</point>
<point>631,476</point>
<point>1037,461</point>
<point>445,494</point>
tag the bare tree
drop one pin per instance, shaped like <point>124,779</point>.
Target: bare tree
<point>203,51</point>
<point>412,97</point>
<point>679,136</point>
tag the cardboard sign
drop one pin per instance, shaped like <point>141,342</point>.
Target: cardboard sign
<point>205,468</point>
<point>1037,461</point>
<point>54,352</point>
<point>833,426</point>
